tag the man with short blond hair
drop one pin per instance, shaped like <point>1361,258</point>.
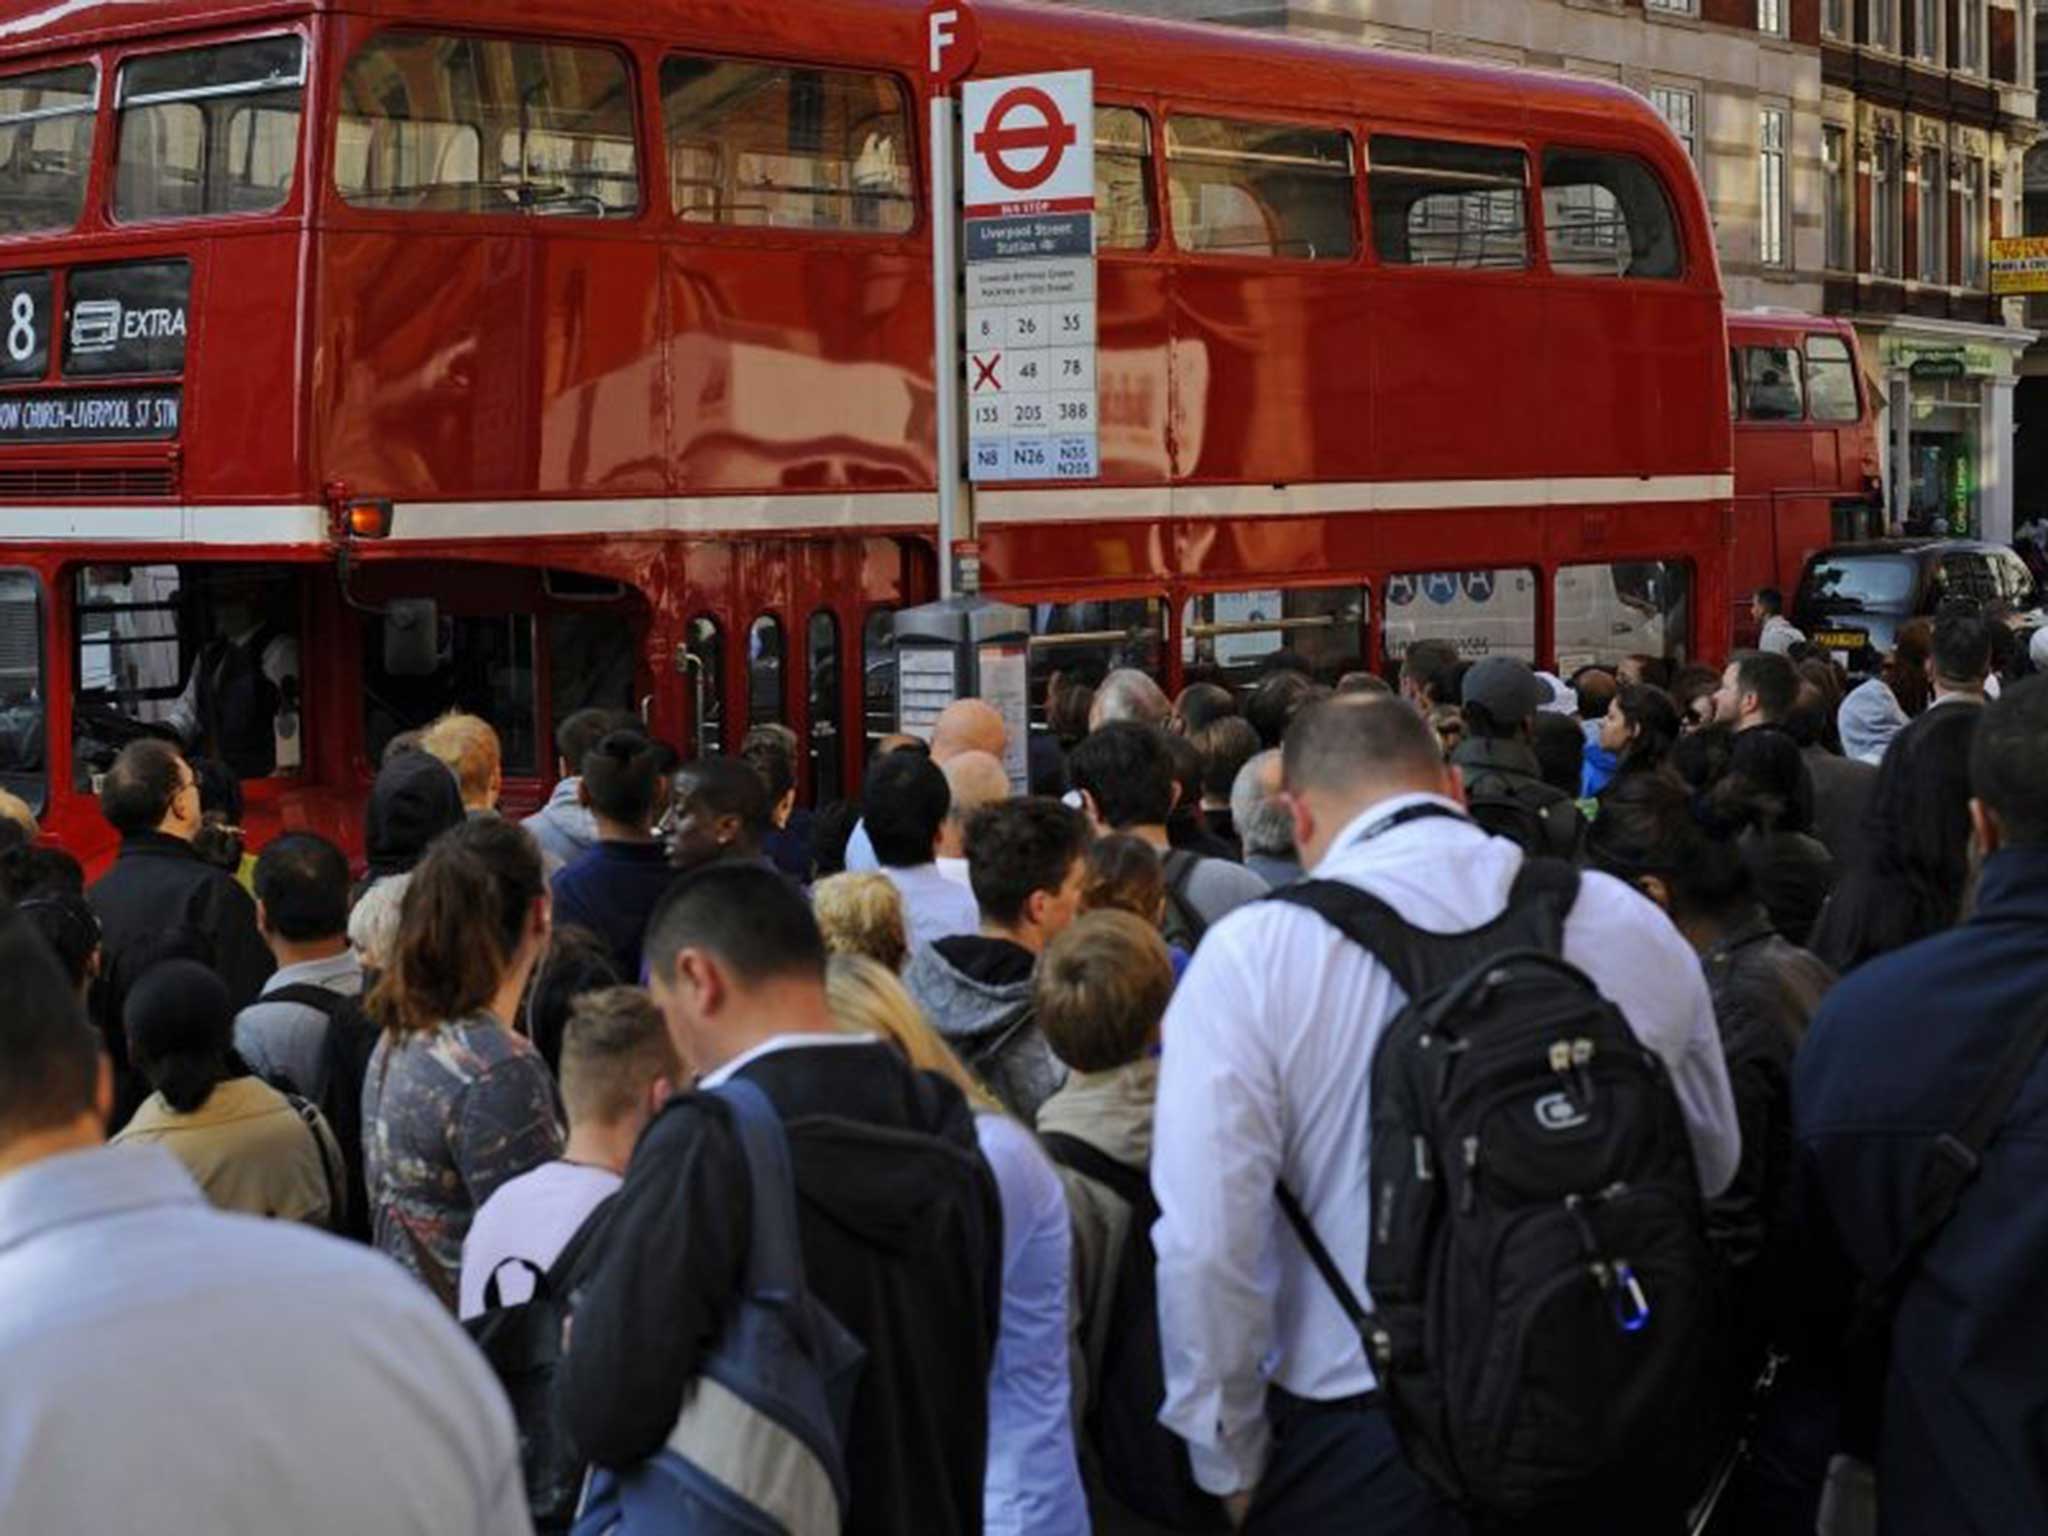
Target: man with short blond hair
<point>469,747</point>
<point>619,1067</point>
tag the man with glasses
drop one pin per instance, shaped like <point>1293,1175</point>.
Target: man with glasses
<point>161,899</point>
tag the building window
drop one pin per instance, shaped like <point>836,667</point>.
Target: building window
<point>1933,220</point>
<point>1770,17</point>
<point>1771,232</point>
<point>1883,24</point>
<point>1679,108</point>
<point>1834,160</point>
<point>1927,30</point>
<point>1675,7</point>
<point>1972,215</point>
<point>1970,36</point>
<point>1884,206</point>
<point>1834,19</point>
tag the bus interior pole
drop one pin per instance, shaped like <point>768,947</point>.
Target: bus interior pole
<point>946,371</point>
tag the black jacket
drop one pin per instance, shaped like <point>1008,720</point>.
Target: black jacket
<point>159,885</point>
<point>160,900</point>
<point>902,1239</point>
<point>1765,992</point>
<point>1897,1054</point>
<point>1841,791</point>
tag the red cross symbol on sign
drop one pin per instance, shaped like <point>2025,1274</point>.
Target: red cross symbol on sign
<point>985,372</point>
<point>1051,137</point>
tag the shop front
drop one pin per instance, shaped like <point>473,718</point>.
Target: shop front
<point>1947,421</point>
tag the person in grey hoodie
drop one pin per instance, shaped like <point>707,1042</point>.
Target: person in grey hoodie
<point>564,826</point>
<point>1024,860</point>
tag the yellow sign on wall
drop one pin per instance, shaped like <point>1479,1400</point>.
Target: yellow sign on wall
<point>2019,265</point>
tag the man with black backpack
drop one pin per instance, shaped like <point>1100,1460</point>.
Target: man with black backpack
<point>1433,1133</point>
<point>1505,791</point>
<point>790,1319</point>
<point>308,1028</point>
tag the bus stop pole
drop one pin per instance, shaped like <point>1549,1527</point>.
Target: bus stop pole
<point>953,506</point>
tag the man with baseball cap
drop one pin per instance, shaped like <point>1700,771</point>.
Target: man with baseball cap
<point>1504,785</point>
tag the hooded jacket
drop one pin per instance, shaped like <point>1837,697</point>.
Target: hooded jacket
<point>977,992</point>
<point>1868,719</point>
<point>901,1230</point>
<point>413,801</point>
<point>564,826</point>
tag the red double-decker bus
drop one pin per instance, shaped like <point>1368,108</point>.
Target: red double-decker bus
<point>1807,472</point>
<point>617,325</point>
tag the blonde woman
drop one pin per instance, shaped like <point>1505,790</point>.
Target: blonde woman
<point>863,915</point>
<point>1034,1478</point>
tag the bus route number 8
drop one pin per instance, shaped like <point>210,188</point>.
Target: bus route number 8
<point>21,328</point>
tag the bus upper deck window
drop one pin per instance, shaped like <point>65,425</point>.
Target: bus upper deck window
<point>1831,379</point>
<point>487,125</point>
<point>1437,203</point>
<point>1260,189</point>
<point>782,146</point>
<point>208,131</point>
<point>1123,179</point>
<point>1607,216</point>
<point>46,123</point>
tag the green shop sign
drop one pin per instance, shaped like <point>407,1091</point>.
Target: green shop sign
<point>1940,360</point>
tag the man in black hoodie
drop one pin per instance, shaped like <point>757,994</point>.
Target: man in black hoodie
<point>897,1216</point>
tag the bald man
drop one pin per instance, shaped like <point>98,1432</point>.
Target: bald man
<point>963,726</point>
<point>977,780</point>
<point>968,725</point>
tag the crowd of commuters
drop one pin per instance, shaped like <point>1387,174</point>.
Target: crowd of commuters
<point>960,1158</point>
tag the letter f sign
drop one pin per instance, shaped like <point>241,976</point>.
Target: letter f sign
<point>955,38</point>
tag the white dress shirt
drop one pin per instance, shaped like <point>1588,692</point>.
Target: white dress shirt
<point>934,907</point>
<point>1266,1075</point>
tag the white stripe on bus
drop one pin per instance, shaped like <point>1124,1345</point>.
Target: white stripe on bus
<point>419,521</point>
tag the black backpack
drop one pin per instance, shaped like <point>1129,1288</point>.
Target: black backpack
<point>1142,1462</point>
<point>524,1345</point>
<point>1182,925</point>
<point>350,1041</point>
<point>1539,818</point>
<point>1545,1304</point>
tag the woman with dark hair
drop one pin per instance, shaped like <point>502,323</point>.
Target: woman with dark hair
<point>249,1147</point>
<point>71,928</point>
<point>1905,671</point>
<point>1768,788</point>
<point>1910,870</point>
<point>1682,849</point>
<point>576,961</point>
<point>1639,730</point>
<point>455,1102</point>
